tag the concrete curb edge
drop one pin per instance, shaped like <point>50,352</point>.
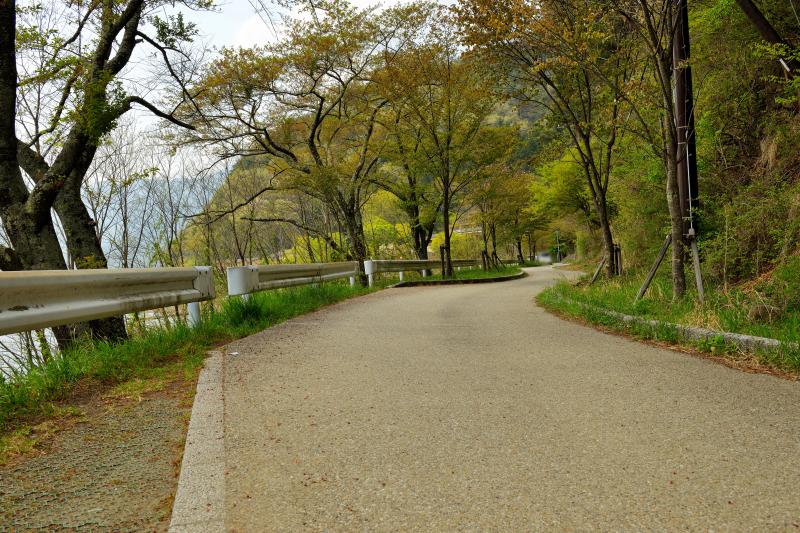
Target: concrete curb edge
<point>747,343</point>
<point>200,498</point>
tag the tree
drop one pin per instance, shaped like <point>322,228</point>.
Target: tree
<point>447,98</point>
<point>405,175</point>
<point>71,96</point>
<point>558,55</point>
<point>307,107</point>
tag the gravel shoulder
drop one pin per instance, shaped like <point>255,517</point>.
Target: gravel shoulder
<point>469,408</point>
<point>111,465</point>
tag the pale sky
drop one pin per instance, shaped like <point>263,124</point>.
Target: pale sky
<point>236,24</point>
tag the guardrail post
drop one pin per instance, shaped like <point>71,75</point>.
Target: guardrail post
<point>242,281</point>
<point>205,284</point>
<point>369,270</point>
<point>194,313</point>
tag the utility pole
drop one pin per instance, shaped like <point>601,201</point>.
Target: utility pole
<point>688,189</point>
<point>684,118</point>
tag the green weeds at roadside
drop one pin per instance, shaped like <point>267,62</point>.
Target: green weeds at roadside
<point>138,363</point>
<point>723,311</point>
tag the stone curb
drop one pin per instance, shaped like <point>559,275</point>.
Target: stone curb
<point>422,283</point>
<point>747,343</point>
<point>200,499</point>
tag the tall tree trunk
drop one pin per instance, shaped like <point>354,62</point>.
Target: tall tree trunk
<point>676,220</point>
<point>608,239</point>
<point>354,235</point>
<point>493,233</point>
<point>87,252</point>
<point>27,223</point>
<point>80,229</point>
<point>448,260</point>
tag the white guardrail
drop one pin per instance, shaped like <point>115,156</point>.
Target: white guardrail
<point>249,279</point>
<point>35,299</point>
<point>373,267</point>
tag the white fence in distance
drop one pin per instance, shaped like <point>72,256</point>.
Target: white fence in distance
<point>377,266</point>
<point>36,299</point>
<point>248,279</point>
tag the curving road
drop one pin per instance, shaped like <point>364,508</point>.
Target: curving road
<point>468,408</point>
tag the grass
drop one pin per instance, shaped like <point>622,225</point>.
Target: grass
<point>476,273</point>
<point>727,311</point>
<point>145,362</point>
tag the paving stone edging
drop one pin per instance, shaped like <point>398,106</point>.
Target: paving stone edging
<point>422,283</point>
<point>747,343</point>
<point>200,499</point>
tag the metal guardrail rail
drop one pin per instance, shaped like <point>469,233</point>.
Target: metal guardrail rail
<point>35,299</point>
<point>377,266</point>
<point>249,279</point>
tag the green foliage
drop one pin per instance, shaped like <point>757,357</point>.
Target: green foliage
<point>173,29</point>
<point>782,288</point>
<point>729,311</point>
<point>723,312</point>
<point>462,245</point>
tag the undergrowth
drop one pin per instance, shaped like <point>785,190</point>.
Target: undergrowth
<point>725,311</point>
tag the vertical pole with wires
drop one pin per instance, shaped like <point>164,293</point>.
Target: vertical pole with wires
<point>688,189</point>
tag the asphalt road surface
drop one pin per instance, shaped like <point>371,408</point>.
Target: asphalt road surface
<point>468,408</point>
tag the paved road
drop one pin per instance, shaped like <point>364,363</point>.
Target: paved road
<point>470,409</point>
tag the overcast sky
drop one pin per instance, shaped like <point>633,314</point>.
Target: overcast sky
<point>236,24</point>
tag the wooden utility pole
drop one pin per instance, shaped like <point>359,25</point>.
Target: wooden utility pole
<point>688,189</point>
<point>684,118</point>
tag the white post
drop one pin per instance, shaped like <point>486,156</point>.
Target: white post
<point>401,275</point>
<point>242,281</point>
<point>194,313</point>
<point>458,269</point>
<point>424,273</point>
<point>352,281</point>
<point>369,270</point>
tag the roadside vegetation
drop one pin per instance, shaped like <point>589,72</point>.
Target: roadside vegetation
<point>766,307</point>
<point>127,367</point>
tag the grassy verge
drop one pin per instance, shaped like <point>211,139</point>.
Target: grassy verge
<point>476,273</point>
<point>142,362</point>
<point>729,311</point>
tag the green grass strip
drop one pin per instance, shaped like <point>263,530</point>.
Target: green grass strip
<point>109,364</point>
